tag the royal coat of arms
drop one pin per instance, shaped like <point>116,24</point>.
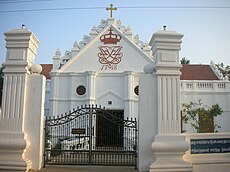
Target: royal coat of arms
<point>110,53</point>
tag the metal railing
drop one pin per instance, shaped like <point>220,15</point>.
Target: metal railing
<point>91,135</point>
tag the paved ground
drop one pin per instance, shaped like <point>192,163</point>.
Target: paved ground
<point>87,169</point>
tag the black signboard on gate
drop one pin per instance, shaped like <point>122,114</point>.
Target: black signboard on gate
<point>209,146</point>
<point>78,131</point>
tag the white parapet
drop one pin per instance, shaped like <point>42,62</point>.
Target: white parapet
<point>204,86</point>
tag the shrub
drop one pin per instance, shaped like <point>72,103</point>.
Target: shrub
<point>201,118</point>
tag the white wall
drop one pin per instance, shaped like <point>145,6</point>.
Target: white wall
<point>34,120</point>
<point>210,93</point>
<point>147,124</point>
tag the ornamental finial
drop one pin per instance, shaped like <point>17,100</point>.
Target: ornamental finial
<point>111,10</point>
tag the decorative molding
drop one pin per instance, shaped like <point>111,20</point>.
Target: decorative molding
<point>110,92</point>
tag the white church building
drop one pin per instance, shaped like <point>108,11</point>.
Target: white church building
<point>104,69</point>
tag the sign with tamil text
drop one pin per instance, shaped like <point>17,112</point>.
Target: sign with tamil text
<point>208,146</point>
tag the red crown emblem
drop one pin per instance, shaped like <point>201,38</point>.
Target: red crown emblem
<point>110,38</point>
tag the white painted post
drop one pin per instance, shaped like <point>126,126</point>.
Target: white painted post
<point>16,102</point>
<point>169,145</point>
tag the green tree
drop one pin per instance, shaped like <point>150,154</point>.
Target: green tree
<point>184,61</point>
<point>201,118</point>
<point>225,70</point>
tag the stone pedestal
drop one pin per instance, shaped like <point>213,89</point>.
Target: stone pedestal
<point>21,50</point>
<point>169,150</point>
<point>12,145</point>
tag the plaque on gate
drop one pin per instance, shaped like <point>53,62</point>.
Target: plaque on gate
<point>78,131</point>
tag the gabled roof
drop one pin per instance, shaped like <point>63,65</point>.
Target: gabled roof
<point>197,72</point>
<point>89,47</point>
<point>46,68</point>
<point>189,72</point>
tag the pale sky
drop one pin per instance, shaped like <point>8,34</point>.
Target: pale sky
<point>206,30</point>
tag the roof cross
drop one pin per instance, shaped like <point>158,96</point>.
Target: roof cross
<point>111,10</point>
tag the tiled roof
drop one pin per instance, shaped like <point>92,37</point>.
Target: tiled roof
<point>197,72</point>
<point>46,68</point>
<point>189,72</point>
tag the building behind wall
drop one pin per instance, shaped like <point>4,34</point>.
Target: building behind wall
<point>104,69</point>
<point>205,82</point>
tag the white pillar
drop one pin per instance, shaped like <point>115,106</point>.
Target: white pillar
<point>72,92</point>
<point>169,145</point>
<point>129,100</point>
<point>90,90</point>
<point>54,93</point>
<point>21,50</point>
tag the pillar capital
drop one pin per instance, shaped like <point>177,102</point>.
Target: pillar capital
<point>165,46</point>
<point>21,47</point>
<point>166,40</point>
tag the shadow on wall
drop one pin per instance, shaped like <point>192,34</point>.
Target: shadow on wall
<point>1,83</point>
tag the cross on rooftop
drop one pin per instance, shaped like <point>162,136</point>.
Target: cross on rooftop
<point>111,10</point>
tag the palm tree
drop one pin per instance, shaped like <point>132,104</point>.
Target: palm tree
<point>184,61</point>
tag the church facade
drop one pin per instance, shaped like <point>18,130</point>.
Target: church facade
<point>104,69</point>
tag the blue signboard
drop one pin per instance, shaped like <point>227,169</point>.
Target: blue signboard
<point>208,146</point>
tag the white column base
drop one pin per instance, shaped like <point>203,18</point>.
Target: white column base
<point>12,147</point>
<point>169,150</point>
<point>13,166</point>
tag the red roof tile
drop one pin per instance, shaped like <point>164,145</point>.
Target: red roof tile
<point>197,72</point>
<point>189,72</point>
<point>46,68</point>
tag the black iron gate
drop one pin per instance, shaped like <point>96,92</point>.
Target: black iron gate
<point>91,135</point>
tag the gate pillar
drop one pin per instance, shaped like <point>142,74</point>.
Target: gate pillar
<point>15,142</point>
<point>168,144</point>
